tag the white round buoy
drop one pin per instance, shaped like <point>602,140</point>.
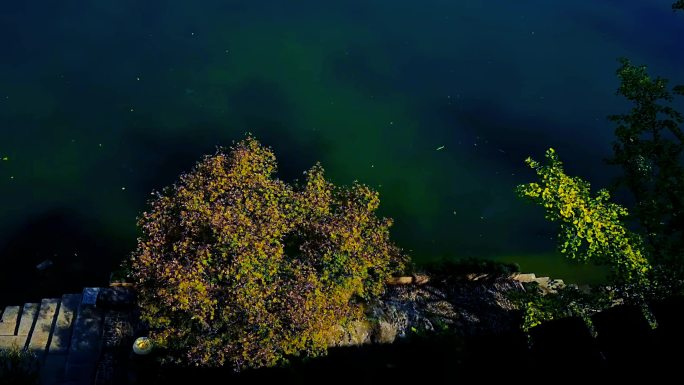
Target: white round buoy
<point>142,346</point>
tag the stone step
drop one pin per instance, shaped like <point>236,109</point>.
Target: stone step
<point>23,330</point>
<point>28,319</point>
<point>61,337</point>
<point>8,322</point>
<point>52,370</point>
<point>7,342</point>
<point>87,330</point>
<point>85,343</point>
<point>520,277</point>
<point>44,325</point>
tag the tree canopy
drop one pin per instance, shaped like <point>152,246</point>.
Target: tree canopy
<point>648,147</point>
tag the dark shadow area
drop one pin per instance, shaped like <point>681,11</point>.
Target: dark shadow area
<point>625,337</point>
<point>421,360</point>
<point>81,255</point>
<point>265,109</point>
<point>563,350</point>
<point>565,343</point>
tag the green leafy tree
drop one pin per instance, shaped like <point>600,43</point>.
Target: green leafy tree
<point>591,229</point>
<point>236,267</point>
<point>678,5</point>
<point>649,149</point>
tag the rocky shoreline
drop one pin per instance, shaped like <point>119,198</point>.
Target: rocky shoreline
<point>471,313</point>
<point>467,305</point>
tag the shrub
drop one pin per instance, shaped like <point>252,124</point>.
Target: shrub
<point>237,267</point>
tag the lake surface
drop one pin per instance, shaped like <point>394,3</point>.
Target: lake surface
<point>103,102</point>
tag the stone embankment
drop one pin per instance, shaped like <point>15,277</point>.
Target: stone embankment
<point>66,334</point>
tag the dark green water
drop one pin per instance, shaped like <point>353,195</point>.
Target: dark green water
<point>102,102</point>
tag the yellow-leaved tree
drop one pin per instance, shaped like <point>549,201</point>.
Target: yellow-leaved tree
<point>591,227</point>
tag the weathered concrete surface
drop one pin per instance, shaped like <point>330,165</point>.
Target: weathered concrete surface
<point>8,322</point>
<point>87,330</point>
<point>85,346</point>
<point>44,325</point>
<point>28,319</point>
<point>22,330</point>
<point>61,336</point>
<point>8,326</point>
<point>7,342</point>
<point>116,298</point>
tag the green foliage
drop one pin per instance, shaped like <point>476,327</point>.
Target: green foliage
<point>18,367</point>
<point>648,148</point>
<point>538,307</point>
<point>678,5</point>
<point>591,229</point>
<point>237,267</point>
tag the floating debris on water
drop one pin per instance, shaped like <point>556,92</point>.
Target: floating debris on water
<point>440,148</point>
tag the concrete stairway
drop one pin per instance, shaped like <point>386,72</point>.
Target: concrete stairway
<point>64,333</point>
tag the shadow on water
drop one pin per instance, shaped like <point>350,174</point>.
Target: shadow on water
<point>265,109</point>
<point>81,255</point>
